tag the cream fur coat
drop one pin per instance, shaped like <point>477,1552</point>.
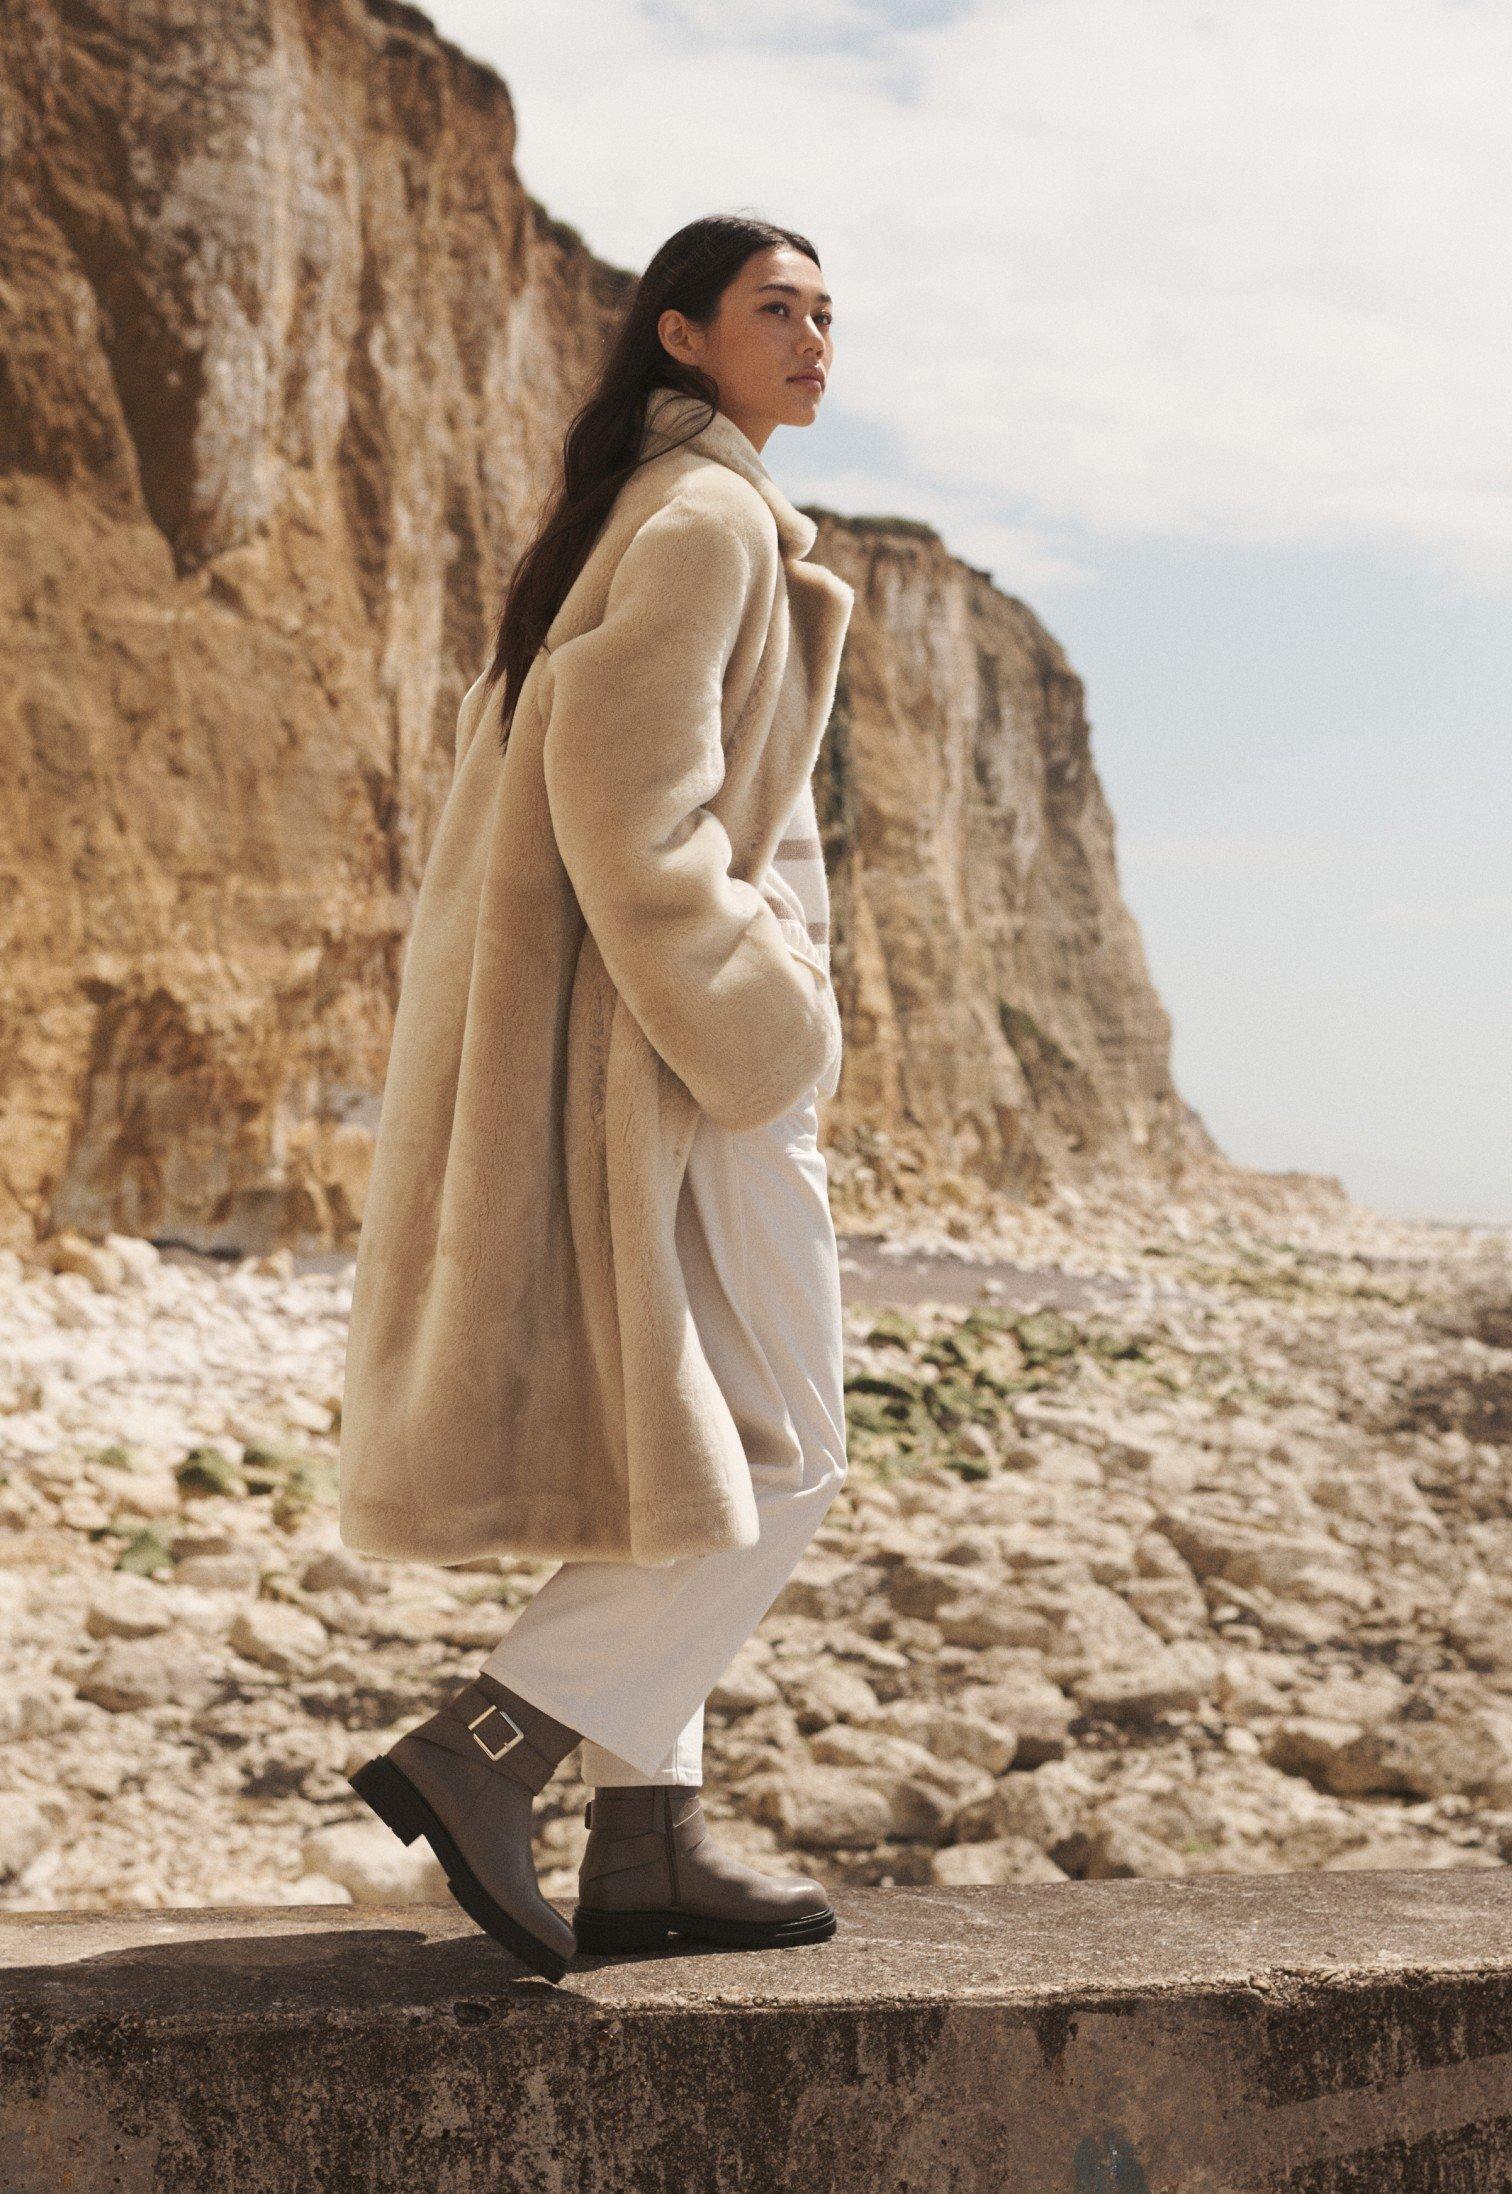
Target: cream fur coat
<point>600,949</point>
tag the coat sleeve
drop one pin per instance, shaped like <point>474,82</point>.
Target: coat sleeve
<point>469,715</point>
<point>633,753</point>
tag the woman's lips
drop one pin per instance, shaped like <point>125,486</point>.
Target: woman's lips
<point>810,380</point>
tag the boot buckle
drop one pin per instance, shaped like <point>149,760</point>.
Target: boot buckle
<point>509,1744</point>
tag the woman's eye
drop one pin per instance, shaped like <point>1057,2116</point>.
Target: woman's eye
<point>824,318</point>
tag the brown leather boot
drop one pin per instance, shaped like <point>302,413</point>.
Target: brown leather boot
<point>466,1781</point>
<point>651,1870</point>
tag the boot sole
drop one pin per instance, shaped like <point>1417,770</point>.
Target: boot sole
<point>399,1805</point>
<point>656,1930</point>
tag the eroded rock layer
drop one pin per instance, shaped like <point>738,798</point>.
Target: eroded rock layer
<point>286,360</point>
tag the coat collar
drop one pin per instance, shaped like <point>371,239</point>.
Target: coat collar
<point>670,413</point>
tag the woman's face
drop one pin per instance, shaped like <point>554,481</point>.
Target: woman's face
<point>768,346</point>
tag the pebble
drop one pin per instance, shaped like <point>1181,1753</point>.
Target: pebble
<point>1217,1580</point>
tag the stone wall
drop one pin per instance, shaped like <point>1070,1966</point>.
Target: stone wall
<point>1300,2034</point>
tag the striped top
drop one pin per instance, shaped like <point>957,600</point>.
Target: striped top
<point>799,861</point>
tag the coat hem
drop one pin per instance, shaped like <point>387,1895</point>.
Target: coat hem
<point>546,1531</point>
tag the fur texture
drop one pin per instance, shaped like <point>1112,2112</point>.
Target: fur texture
<point>599,949</point>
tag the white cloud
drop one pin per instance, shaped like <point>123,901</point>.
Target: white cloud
<point>1174,268</point>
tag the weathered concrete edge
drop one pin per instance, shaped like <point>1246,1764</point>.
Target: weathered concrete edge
<point>205,2049</point>
<point>1015,1947</point>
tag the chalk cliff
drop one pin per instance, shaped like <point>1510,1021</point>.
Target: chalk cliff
<point>998,1008</point>
<point>286,353</point>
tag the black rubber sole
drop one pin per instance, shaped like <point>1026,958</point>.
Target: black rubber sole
<point>399,1805</point>
<point>657,1930</point>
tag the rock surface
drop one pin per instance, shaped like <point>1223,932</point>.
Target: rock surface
<point>1219,1585</point>
<point>970,851</point>
<point>290,364</point>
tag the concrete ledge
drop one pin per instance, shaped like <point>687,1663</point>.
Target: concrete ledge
<point>1333,2033</point>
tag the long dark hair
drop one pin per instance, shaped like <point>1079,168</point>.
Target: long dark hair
<point>689,274</point>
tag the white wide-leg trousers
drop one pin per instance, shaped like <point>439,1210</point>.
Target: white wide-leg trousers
<point>627,1653</point>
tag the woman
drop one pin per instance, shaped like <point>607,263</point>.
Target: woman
<point>596,1307</point>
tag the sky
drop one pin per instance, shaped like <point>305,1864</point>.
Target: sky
<point>1190,323</point>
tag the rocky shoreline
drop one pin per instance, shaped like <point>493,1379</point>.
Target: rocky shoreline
<point>1176,1540</point>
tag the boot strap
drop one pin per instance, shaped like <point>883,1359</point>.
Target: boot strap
<point>476,1727</point>
<point>621,1854</point>
<point>618,1852</point>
